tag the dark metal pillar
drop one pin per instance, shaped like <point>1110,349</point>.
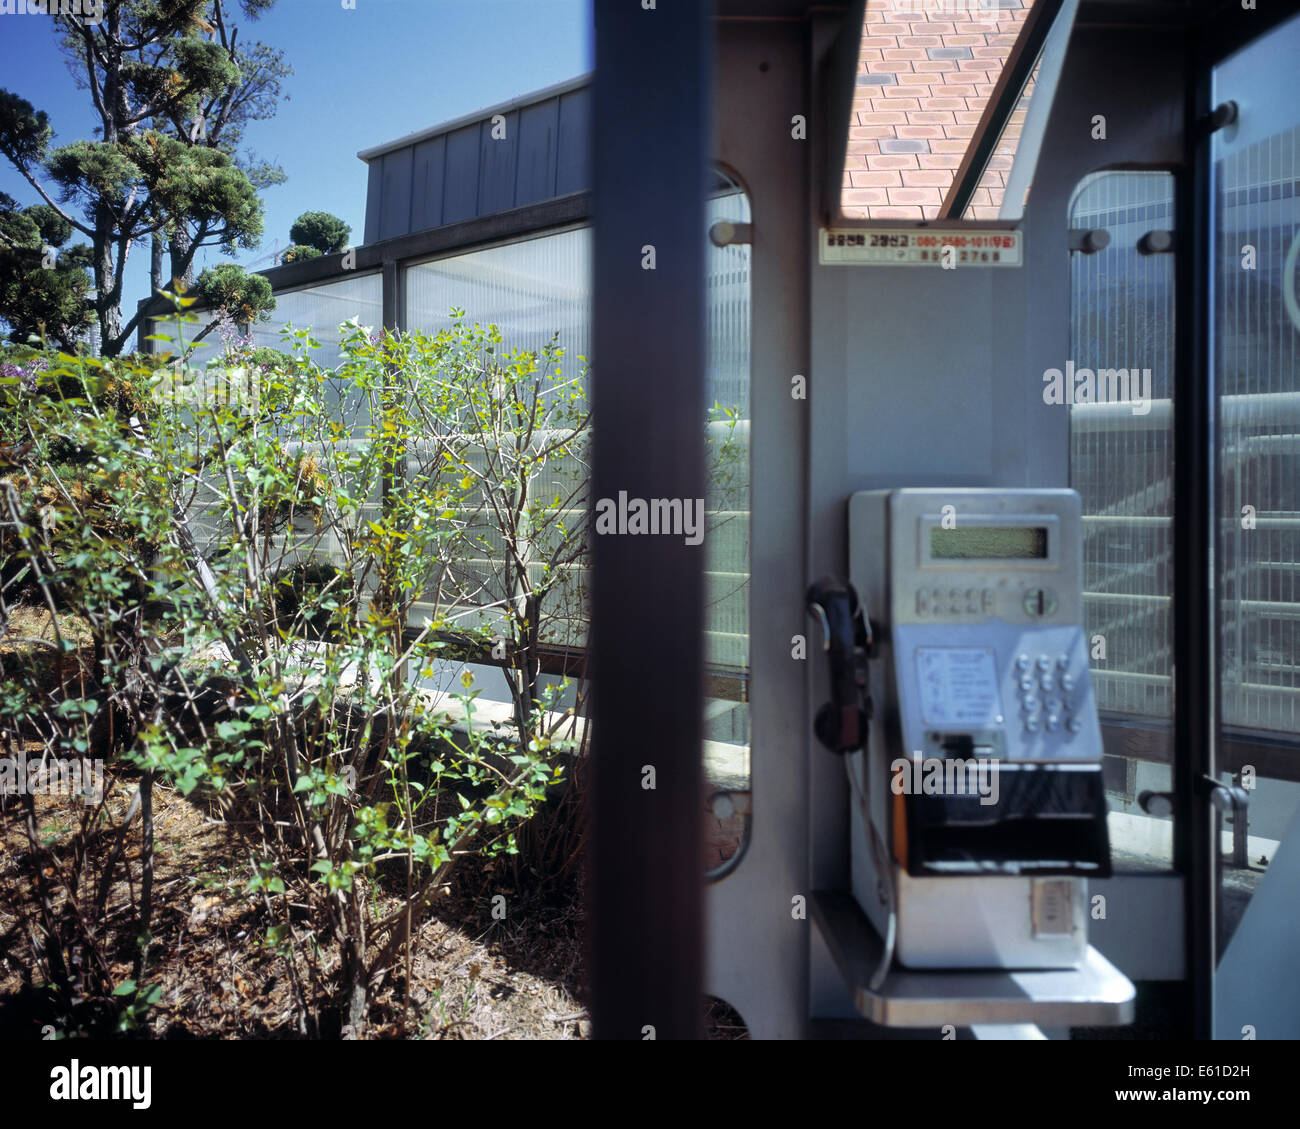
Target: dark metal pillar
<point>1195,685</point>
<point>651,157</point>
<point>392,298</point>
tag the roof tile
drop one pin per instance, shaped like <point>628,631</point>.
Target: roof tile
<point>864,196</point>
<point>897,213</point>
<point>927,69</point>
<point>880,178</point>
<point>892,161</point>
<point>906,144</point>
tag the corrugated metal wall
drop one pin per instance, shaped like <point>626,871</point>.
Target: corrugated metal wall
<point>536,152</point>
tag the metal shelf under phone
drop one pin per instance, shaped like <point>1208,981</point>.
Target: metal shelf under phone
<point>1096,994</point>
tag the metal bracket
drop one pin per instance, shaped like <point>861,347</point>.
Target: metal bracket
<point>727,233</point>
<point>1089,240</point>
<point>1228,799</point>
<point>1156,243</point>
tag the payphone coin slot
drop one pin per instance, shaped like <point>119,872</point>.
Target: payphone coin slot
<point>1040,602</point>
<point>960,745</point>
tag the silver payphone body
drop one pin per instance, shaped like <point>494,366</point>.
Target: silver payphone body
<point>978,808</point>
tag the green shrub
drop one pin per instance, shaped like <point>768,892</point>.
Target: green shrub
<point>230,662</point>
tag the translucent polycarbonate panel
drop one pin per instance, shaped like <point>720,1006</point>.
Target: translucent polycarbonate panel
<point>532,290</point>
<point>322,309</point>
<point>539,288</point>
<point>1257,374</point>
<point>727,452</point>
<point>1120,373</point>
<point>728,325</point>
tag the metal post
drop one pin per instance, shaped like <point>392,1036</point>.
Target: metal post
<point>651,153</point>
<point>1195,687</point>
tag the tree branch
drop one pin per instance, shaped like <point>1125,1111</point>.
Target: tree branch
<point>88,40</point>
<point>81,227</point>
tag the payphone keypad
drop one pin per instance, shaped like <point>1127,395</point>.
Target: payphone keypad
<point>1049,694</point>
<point>1023,690</point>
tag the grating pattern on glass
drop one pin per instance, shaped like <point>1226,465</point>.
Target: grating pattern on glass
<point>727,544</point>
<point>1257,371</point>
<point>533,290</point>
<point>539,287</point>
<point>323,309</point>
<point>1121,452</point>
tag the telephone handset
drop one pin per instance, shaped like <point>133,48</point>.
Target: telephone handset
<point>841,724</point>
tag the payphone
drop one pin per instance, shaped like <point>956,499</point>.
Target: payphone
<point>963,707</point>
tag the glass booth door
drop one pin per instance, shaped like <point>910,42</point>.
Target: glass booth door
<point>1255,353</point>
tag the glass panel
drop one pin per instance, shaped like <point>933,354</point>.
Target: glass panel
<point>926,69</point>
<point>988,200</point>
<point>1256,356</point>
<point>321,309</point>
<point>1121,371</point>
<point>726,722</point>
<point>324,308</point>
<point>1257,359</point>
<point>540,286</point>
<point>532,289</point>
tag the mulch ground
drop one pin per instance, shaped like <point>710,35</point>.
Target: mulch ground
<point>472,975</point>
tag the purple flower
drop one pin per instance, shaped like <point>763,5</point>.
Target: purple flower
<point>25,374</point>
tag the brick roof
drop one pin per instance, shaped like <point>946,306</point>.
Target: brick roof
<point>926,69</point>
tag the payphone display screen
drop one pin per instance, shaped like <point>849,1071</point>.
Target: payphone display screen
<point>989,543</point>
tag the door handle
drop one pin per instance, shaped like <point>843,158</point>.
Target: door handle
<point>1227,799</point>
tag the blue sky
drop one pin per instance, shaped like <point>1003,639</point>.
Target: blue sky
<point>361,76</point>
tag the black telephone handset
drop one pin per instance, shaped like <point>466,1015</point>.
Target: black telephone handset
<point>841,724</point>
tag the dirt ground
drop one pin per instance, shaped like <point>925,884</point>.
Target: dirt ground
<point>472,976</point>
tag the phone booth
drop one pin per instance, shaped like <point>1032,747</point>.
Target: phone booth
<point>984,495</point>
